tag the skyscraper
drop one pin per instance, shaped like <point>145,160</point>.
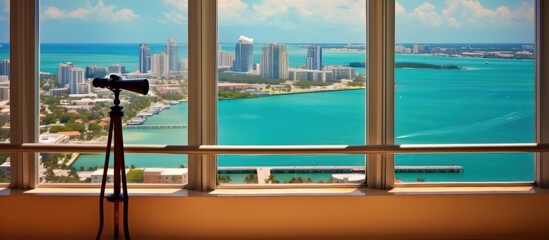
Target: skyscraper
<point>5,67</point>
<point>63,73</point>
<point>171,51</point>
<point>159,65</point>
<point>314,57</point>
<point>76,77</point>
<point>244,55</point>
<point>144,58</point>
<point>274,61</point>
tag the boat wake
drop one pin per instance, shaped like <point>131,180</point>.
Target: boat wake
<point>473,127</point>
<point>475,97</point>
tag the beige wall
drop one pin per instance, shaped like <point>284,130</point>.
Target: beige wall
<point>320,217</point>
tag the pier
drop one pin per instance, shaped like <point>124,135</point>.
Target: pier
<point>429,169</point>
<point>153,126</point>
<point>266,171</point>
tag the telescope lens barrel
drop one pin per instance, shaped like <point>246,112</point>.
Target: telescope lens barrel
<point>140,86</point>
<point>100,82</point>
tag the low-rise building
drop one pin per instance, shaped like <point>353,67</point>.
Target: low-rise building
<point>166,175</point>
<point>310,75</point>
<point>234,86</point>
<point>53,138</point>
<point>97,176</point>
<point>56,92</point>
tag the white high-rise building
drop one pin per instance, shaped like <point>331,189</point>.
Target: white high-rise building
<point>314,57</point>
<point>171,52</point>
<point>243,55</point>
<point>63,73</point>
<point>76,77</point>
<point>225,59</point>
<point>144,58</point>
<point>274,61</point>
<point>159,65</point>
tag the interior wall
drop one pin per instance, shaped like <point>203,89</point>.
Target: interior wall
<point>431,216</point>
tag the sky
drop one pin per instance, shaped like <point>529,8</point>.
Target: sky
<point>290,21</point>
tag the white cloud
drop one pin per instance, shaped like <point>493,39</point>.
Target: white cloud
<point>525,11</point>
<point>179,4</point>
<point>289,12</point>
<point>124,15</point>
<point>426,12</point>
<point>457,13</point>
<point>99,12</point>
<point>231,9</point>
<point>453,22</point>
<point>174,17</point>
<point>269,8</point>
<point>54,13</point>
<point>79,13</point>
<point>178,15</point>
<point>399,10</point>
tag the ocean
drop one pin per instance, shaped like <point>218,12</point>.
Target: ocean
<point>489,101</point>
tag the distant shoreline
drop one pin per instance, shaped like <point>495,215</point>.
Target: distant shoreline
<point>303,92</point>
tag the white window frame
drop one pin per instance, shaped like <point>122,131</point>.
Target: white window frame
<point>203,148</point>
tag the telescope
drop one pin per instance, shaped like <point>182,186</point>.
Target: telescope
<point>115,82</point>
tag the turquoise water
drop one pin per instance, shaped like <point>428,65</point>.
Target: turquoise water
<point>484,103</point>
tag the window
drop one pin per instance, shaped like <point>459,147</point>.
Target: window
<point>4,87</point>
<point>295,76</point>
<point>83,40</point>
<point>291,36</point>
<point>464,73</point>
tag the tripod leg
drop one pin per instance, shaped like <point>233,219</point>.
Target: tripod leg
<point>103,182</point>
<point>118,170</point>
<point>121,169</point>
<point>124,186</point>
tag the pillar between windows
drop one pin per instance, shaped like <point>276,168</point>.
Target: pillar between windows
<point>380,86</point>
<point>202,91</point>
<point>542,91</point>
<point>24,90</point>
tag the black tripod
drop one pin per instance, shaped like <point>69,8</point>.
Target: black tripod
<point>116,84</point>
<point>119,171</point>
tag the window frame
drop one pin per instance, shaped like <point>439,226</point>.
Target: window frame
<point>203,148</point>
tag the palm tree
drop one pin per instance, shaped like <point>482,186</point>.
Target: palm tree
<point>224,179</point>
<point>272,179</point>
<point>251,178</point>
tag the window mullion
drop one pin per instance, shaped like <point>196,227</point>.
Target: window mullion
<point>380,85</point>
<point>24,89</point>
<point>542,92</point>
<point>202,91</point>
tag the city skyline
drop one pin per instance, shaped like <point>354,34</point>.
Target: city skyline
<point>456,21</point>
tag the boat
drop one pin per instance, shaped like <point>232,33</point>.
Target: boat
<point>144,114</point>
<point>486,62</point>
<point>136,121</point>
<point>155,109</point>
<point>173,102</point>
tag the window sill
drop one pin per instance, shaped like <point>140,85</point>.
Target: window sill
<point>294,192</point>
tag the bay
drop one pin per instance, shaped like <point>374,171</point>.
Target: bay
<point>489,101</point>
